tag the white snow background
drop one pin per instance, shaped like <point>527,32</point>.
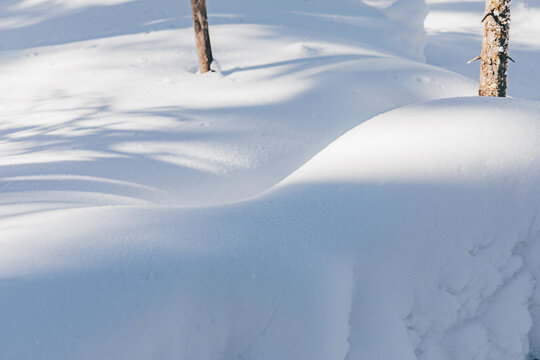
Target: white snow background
<point>334,190</point>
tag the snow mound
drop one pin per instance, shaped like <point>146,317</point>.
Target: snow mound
<point>450,141</point>
<point>360,248</point>
<point>457,178</point>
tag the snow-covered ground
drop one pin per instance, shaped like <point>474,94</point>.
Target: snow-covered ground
<point>150,212</point>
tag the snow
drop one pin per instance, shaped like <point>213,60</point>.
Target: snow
<point>334,190</point>
<point>428,144</point>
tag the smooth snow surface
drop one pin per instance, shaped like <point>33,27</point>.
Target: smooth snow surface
<point>332,191</point>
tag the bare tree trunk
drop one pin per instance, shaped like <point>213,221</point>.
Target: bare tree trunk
<point>202,37</point>
<point>494,56</point>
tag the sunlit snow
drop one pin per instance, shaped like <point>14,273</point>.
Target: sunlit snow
<point>333,190</point>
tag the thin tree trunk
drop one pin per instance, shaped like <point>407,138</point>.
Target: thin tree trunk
<point>494,56</point>
<point>202,36</point>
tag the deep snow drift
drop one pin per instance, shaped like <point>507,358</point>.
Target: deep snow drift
<point>359,246</point>
<point>149,212</point>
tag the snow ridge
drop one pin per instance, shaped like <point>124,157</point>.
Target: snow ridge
<point>141,220</point>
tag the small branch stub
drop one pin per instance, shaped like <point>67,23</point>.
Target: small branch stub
<point>473,60</point>
<point>202,35</point>
<point>494,57</point>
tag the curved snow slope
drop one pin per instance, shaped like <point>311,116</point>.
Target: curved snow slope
<point>32,23</point>
<point>102,105</point>
<point>362,253</point>
<point>451,141</point>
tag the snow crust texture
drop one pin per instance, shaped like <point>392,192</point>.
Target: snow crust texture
<point>476,254</point>
<point>150,212</point>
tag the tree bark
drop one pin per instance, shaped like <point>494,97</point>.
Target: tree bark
<point>202,36</point>
<point>494,56</point>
